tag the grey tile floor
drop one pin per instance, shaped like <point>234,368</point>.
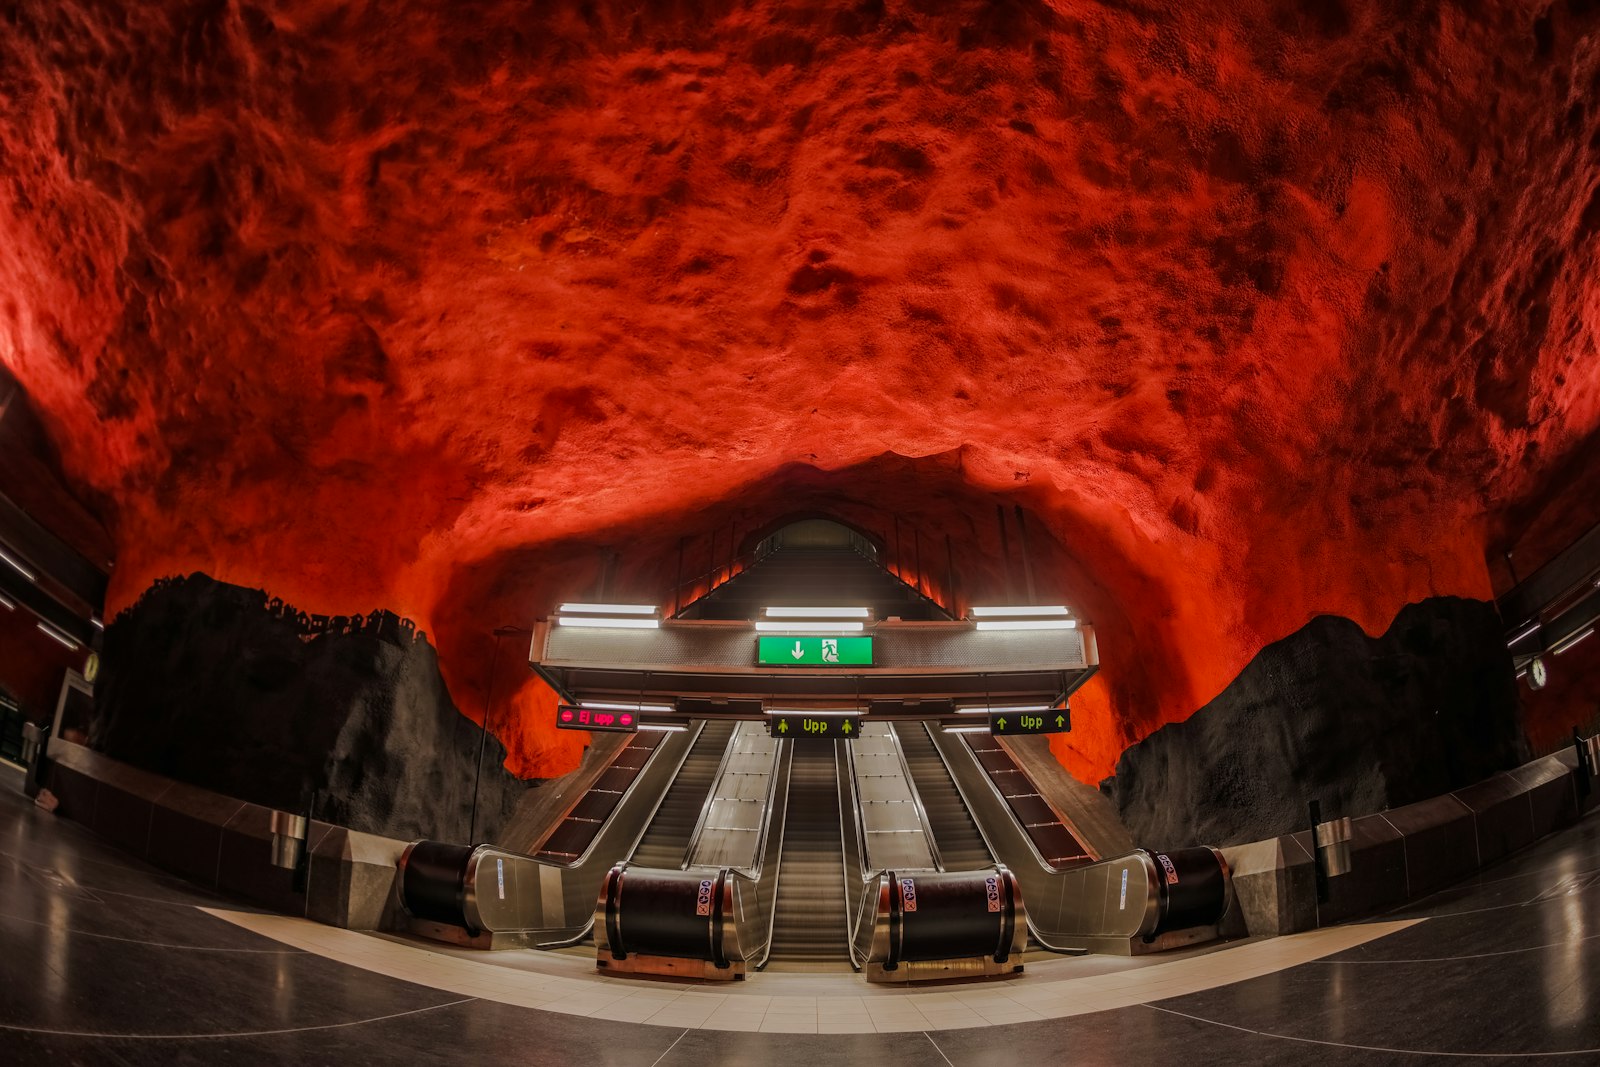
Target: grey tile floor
<point>106,961</point>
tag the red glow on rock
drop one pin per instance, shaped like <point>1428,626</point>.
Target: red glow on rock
<point>1259,318</point>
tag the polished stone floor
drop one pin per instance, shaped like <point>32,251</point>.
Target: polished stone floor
<point>106,961</point>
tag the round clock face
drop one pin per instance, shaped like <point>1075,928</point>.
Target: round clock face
<point>1537,674</point>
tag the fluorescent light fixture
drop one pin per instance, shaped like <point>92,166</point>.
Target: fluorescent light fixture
<point>811,627</point>
<point>96,623</point>
<point>1020,611</point>
<point>966,729</point>
<point>57,635</point>
<point>1569,642</point>
<point>821,713</point>
<point>626,624</point>
<point>1029,624</point>
<point>7,603</point>
<point>1523,673</point>
<point>1532,628</point>
<point>662,728</point>
<point>603,706</point>
<point>611,609</point>
<point>984,709</point>
<point>818,613</point>
<point>19,566</point>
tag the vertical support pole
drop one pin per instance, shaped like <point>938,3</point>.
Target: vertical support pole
<point>711,562</point>
<point>733,542</point>
<point>950,578</point>
<point>1027,564</point>
<point>1005,551</point>
<point>894,562</point>
<point>916,540</point>
<point>1585,777</point>
<point>677,586</point>
<point>483,740</point>
<point>1315,808</point>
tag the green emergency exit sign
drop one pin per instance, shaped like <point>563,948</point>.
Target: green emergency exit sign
<point>814,651</point>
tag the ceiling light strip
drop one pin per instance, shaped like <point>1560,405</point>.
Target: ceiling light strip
<point>1571,641</point>
<point>811,627</point>
<point>984,709</point>
<point>1028,624</point>
<point>610,609</point>
<point>598,705</point>
<point>1019,611</point>
<point>1532,628</point>
<point>818,613</point>
<point>18,566</point>
<point>662,728</point>
<point>7,603</point>
<point>58,636</point>
<point>593,621</point>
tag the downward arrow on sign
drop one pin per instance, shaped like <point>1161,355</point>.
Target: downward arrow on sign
<point>798,652</point>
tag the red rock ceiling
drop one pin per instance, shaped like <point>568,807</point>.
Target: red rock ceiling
<point>1263,311</point>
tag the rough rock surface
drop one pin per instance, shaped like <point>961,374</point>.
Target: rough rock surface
<point>1327,713</point>
<point>216,685</point>
<point>1264,311</point>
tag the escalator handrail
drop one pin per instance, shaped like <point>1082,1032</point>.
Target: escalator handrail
<point>775,805</point>
<point>1001,805</point>
<point>857,880</point>
<point>583,858</point>
<point>1002,810</point>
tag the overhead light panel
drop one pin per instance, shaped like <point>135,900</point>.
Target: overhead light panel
<point>1028,624</point>
<point>96,623</point>
<point>966,729</point>
<point>7,603</point>
<point>1020,611</point>
<point>662,728</point>
<point>811,627</point>
<point>57,636</point>
<point>822,713</point>
<point>633,623</point>
<point>18,566</point>
<point>610,609</point>
<point>818,613</point>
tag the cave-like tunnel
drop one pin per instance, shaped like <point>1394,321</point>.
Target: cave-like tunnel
<point>341,344</point>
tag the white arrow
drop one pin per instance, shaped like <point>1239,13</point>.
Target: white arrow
<point>798,651</point>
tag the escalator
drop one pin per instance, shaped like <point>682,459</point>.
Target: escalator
<point>810,924</point>
<point>961,846</point>
<point>666,841</point>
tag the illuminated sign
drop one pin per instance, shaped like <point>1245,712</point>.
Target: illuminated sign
<point>578,718</point>
<point>814,651</point>
<point>823,727</point>
<point>1009,723</point>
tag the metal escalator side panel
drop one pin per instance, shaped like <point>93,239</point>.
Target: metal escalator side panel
<point>660,844</point>
<point>916,796</point>
<point>895,831</point>
<point>732,827</point>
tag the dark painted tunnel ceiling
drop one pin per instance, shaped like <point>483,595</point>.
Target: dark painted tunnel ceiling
<point>1262,310</point>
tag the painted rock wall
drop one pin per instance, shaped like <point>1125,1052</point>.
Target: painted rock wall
<point>216,685</point>
<point>1360,724</point>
